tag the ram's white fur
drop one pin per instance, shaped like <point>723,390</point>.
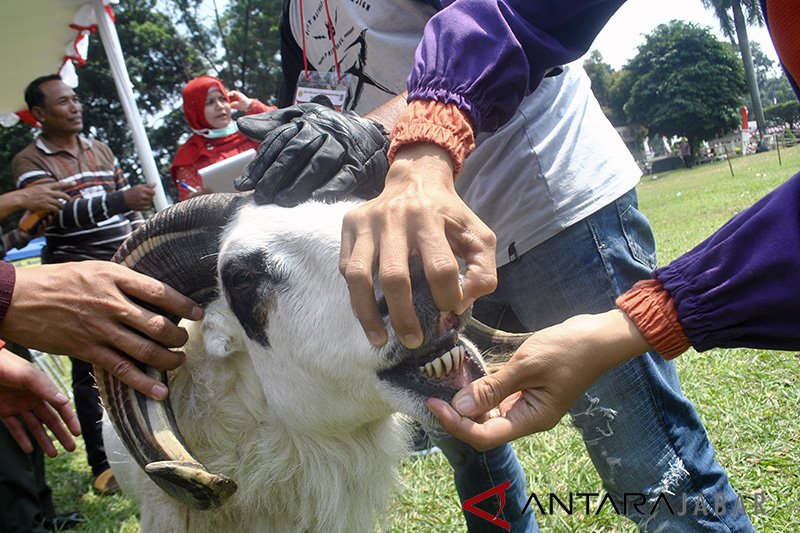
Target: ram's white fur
<point>303,426</point>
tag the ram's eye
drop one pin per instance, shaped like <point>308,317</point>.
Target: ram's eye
<point>244,280</point>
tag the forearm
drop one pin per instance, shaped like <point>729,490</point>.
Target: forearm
<point>738,288</point>
<point>82,212</point>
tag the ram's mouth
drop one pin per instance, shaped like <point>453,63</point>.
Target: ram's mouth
<point>438,369</point>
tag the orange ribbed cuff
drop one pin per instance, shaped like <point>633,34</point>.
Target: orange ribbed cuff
<point>437,123</point>
<point>652,309</point>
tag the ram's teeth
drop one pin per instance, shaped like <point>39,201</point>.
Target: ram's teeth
<point>447,359</point>
<point>438,366</point>
<point>445,364</point>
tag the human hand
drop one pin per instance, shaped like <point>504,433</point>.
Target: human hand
<point>239,101</point>
<point>48,197</point>
<point>312,151</point>
<point>140,197</point>
<point>28,399</point>
<point>418,213</point>
<point>85,310</point>
<point>541,382</point>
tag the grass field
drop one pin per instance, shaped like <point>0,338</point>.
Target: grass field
<point>748,399</point>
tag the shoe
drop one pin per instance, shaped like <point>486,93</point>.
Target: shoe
<point>105,484</point>
<point>63,522</point>
<point>420,442</point>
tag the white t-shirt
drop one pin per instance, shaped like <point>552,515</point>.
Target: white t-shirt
<point>556,162</point>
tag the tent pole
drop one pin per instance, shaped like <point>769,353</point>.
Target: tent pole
<point>108,35</point>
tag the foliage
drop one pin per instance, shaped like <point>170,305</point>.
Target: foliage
<point>783,113</point>
<point>252,43</point>
<point>611,87</point>
<point>687,83</point>
<point>722,11</point>
<point>159,62</point>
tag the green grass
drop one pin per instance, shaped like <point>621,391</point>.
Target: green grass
<point>748,399</point>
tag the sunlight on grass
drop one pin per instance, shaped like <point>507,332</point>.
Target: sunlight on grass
<point>748,399</point>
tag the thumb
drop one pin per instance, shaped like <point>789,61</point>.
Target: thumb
<point>486,393</point>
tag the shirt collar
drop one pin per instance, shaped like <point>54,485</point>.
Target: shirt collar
<point>41,144</point>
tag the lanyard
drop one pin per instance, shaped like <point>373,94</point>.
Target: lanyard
<point>330,36</point>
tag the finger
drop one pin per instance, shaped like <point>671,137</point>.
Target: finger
<point>441,266</point>
<point>142,333</point>
<point>307,163</point>
<point>357,256</point>
<point>486,393</point>
<point>157,293</point>
<point>478,249</point>
<point>36,430</point>
<point>69,418</point>
<point>124,369</point>
<point>259,125</point>
<point>395,279</point>
<point>268,152</point>
<point>17,431</point>
<point>481,436</point>
<point>53,420</point>
<point>42,386</point>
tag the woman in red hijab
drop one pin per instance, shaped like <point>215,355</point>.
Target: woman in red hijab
<point>207,106</point>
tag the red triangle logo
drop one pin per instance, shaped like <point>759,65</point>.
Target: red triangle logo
<point>500,490</point>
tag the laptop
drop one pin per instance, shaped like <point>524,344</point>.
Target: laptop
<point>219,177</point>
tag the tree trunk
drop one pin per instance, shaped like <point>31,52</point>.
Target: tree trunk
<point>747,59</point>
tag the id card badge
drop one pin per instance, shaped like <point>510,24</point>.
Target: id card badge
<point>319,85</point>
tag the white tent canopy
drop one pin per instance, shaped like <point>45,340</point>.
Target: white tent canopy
<point>40,37</point>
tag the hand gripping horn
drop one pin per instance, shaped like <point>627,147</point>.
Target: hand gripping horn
<point>178,246</point>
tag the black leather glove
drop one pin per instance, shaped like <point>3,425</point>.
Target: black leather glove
<point>312,151</point>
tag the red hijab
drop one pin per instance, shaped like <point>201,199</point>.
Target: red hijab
<point>200,151</point>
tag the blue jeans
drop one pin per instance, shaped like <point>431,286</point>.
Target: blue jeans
<point>642,434</point>
<point>476,472</point>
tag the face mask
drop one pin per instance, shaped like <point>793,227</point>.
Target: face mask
<point>218,133</point>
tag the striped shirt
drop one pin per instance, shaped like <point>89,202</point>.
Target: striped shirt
<point>97,219</point>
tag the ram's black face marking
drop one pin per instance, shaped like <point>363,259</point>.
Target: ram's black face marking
<point>249,282</point>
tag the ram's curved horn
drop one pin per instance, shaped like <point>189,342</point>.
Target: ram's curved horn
<point>178,246</point>
<point>495,345</point>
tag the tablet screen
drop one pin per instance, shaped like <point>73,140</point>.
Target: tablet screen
<point>219,177</point>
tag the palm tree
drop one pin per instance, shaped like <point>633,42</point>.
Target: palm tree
<point>738,25</point>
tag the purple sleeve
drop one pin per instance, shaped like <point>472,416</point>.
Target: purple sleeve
<point>484,56</point>
<point>741,286</point>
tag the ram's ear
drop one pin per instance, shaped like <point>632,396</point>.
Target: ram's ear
<point>495,345</point>
<point>178,246</point>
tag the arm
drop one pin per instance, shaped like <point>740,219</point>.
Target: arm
<point>512,45</point>
<point>29,400</point>
<point>89,310</point>
<point>47,197</point>
<point>738,288</point>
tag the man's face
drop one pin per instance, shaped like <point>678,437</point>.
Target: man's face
<point>61,112</point>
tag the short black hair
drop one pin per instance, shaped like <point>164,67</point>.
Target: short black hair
<point>34,96</point>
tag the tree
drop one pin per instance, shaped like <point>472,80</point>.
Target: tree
<point>744,12</point>
<point>159,62</point>
<point>774,89</point>
<point>610,87</point>
<point>686,82</point>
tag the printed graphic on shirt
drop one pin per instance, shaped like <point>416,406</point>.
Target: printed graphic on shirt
<point>374,41</point>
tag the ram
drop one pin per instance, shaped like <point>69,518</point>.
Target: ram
<point>281,419</point>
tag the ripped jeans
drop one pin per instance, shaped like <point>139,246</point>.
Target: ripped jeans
<point>642,434</point>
